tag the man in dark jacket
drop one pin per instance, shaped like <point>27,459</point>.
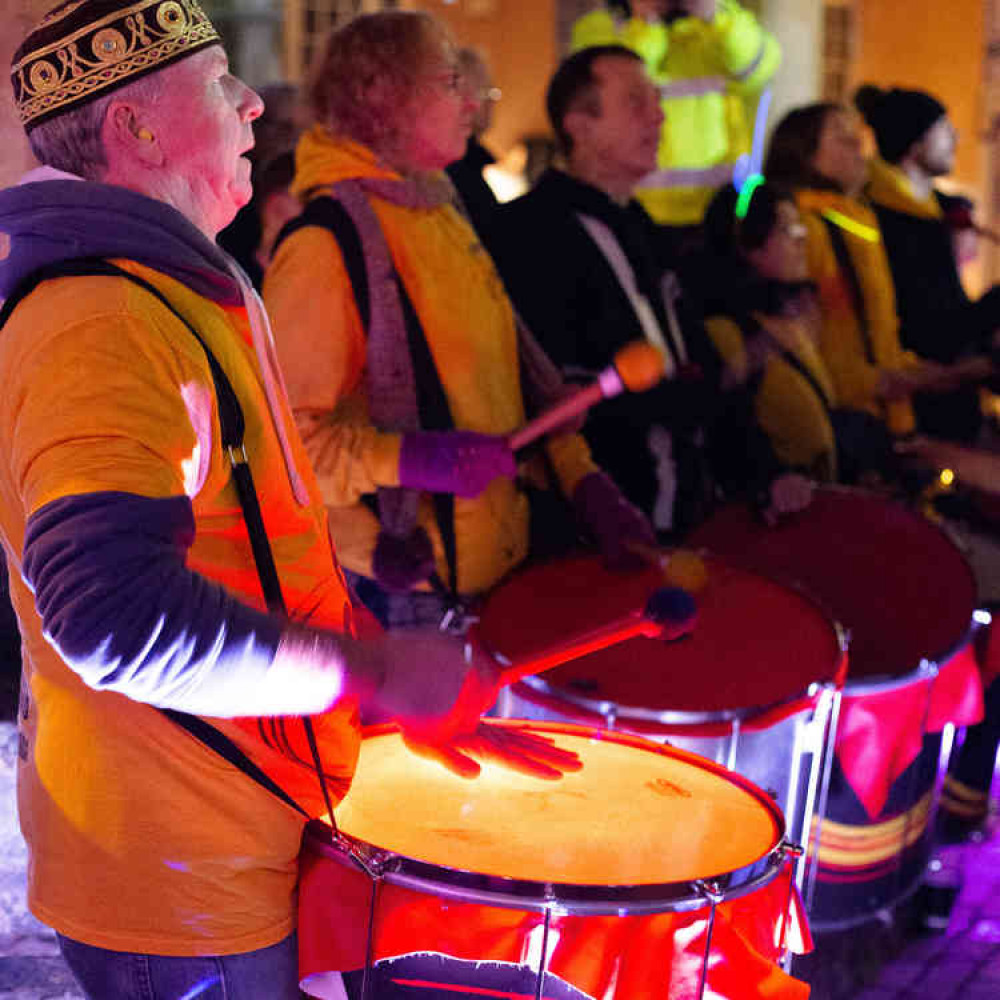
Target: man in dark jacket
<point>578,256</point>
<point>916,143</point>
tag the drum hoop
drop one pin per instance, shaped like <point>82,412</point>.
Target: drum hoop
<point>793,583</point>
<point>563,898</point>
<point>927,669</point>
<point>814,687</point>
<point>382,863</point>
<point>672,717</point>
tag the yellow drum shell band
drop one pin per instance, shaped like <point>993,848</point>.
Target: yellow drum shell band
<point>845,847</point>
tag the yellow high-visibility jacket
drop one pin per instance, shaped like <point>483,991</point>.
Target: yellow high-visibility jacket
<point>710,77</point>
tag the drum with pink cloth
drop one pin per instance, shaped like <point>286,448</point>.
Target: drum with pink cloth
<point>906,595</point>
<point>648,873</point>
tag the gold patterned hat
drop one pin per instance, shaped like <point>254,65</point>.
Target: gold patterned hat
<point>83,49</point>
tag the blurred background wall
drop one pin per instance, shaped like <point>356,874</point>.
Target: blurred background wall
<point>951,49</point>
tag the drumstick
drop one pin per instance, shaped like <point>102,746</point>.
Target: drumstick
<point>637,366</point>
<point>669,614</point>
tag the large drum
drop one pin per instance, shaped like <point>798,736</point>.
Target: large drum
<point>649,873</point>
<point>753,687</point>
<point>906,596</point>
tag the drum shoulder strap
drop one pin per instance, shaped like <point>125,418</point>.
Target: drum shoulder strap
<point>751,328</point>
<point>850,274</point>
<point>327,213</point>
<point>330,214</point>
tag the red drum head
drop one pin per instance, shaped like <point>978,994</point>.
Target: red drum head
<point>756,643</point>
<point>891,577</point>
<point>637,814</point>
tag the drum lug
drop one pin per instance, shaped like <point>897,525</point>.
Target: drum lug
<point>457,620</point>
<point>711,890</point>
<point>929,669</point>
<point>373,862</point>
<point>788,847</point>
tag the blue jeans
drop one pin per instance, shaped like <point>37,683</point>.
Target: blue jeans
<point>270,973</point>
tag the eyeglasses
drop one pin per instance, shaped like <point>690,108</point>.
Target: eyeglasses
<point>452,82</point>
<point>449,81</point>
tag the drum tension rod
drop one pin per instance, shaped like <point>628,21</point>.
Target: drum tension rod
<point>713,892</point>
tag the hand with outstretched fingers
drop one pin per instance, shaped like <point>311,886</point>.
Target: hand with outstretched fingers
<point>513,747</point>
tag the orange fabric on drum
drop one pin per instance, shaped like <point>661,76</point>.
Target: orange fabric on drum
<point>608,957</point>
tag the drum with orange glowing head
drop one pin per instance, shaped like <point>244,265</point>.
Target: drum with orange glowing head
<point>753,686</point>
<point>648,873</point>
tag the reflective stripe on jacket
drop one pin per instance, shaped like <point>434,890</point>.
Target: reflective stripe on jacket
<point>710,76</point>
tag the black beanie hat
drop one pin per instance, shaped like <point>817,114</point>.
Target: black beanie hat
<point>897,117</point>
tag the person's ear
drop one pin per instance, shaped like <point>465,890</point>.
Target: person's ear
<point>577,124</point>
<point>125,134</point>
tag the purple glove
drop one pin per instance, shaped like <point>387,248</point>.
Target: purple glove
<point>459,462</point>
<point>401,563</point>
<point>601,509</point>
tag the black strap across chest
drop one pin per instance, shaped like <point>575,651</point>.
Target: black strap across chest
<point>850,273</point>
<point>751,328</point>
<point>328,213</point>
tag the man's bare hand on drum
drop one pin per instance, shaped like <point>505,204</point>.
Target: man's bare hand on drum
<point>439,706</point>
<point>436,688</point>
<point>509,746</point>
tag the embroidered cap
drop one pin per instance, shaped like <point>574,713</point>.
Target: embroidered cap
<point>84,49</point>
